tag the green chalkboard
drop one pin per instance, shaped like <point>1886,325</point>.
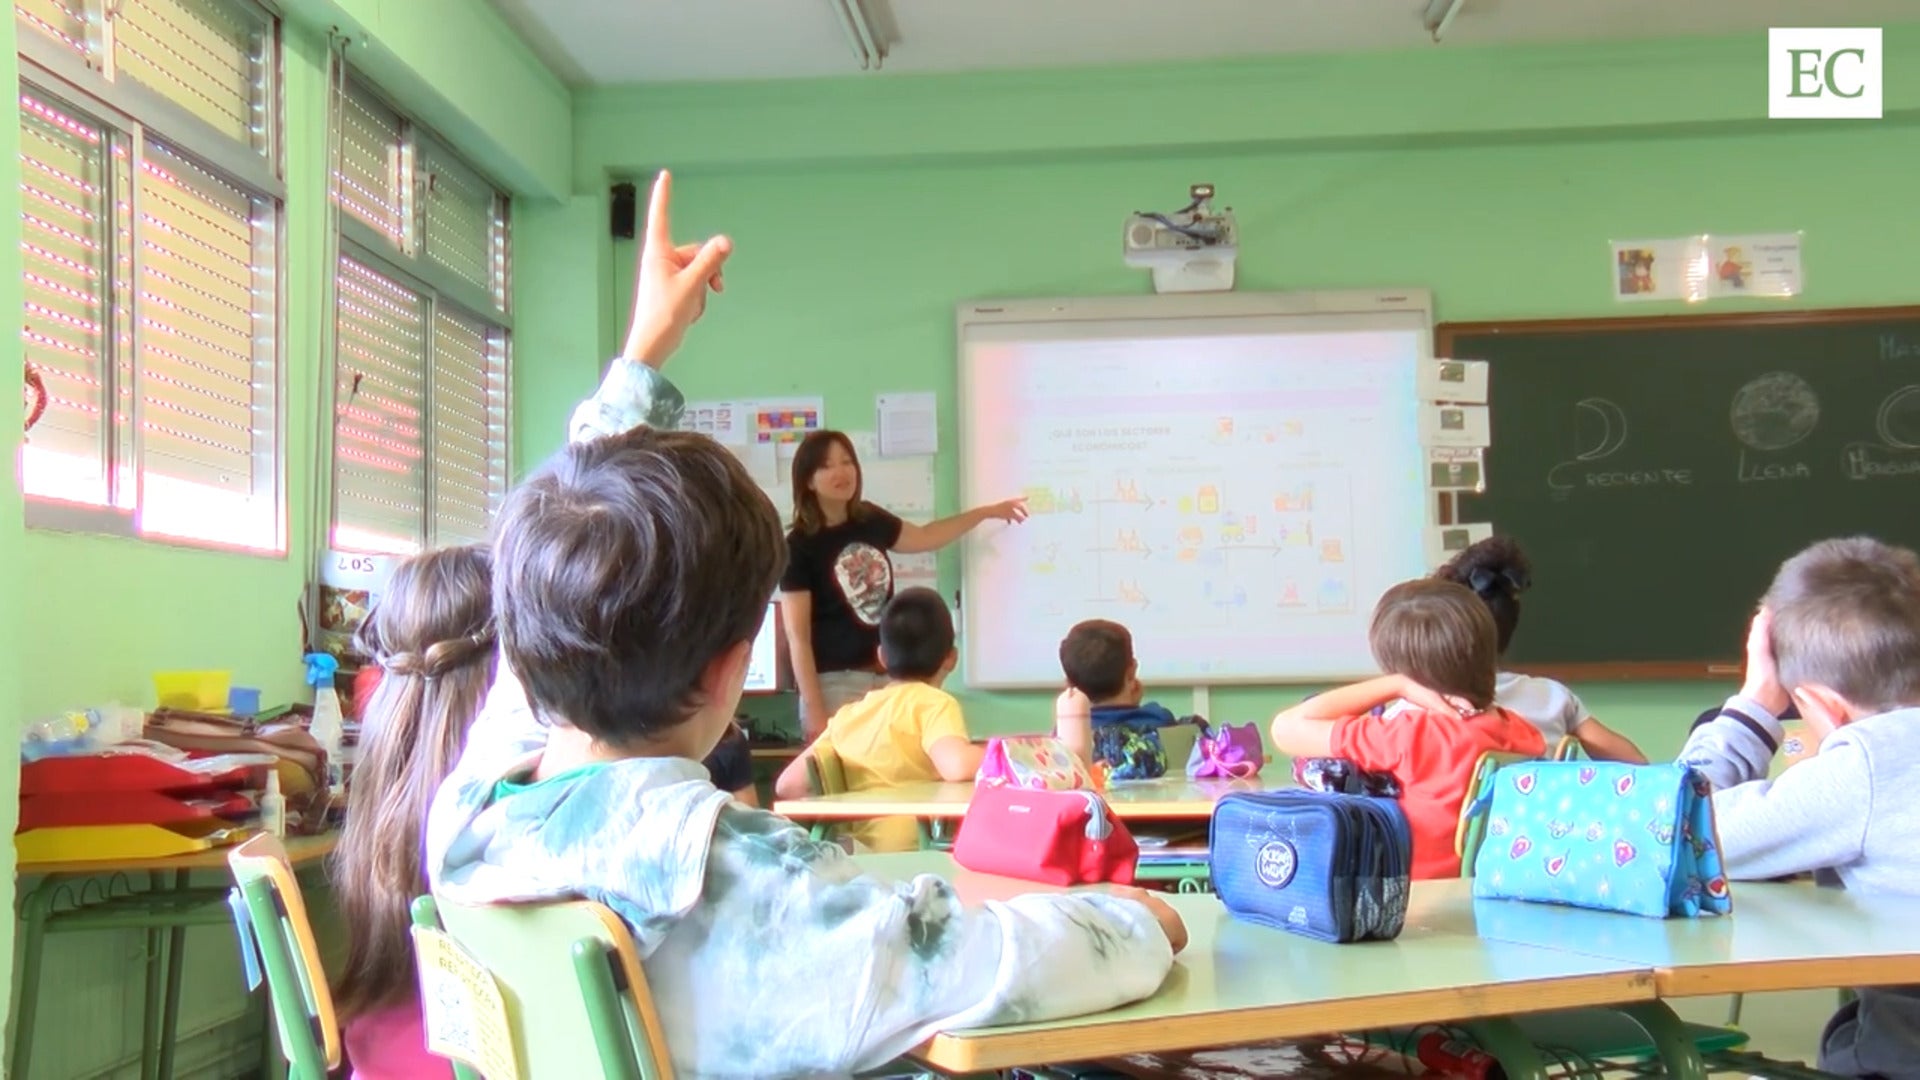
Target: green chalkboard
<point>1658,470</point>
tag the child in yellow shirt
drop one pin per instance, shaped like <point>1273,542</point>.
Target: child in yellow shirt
<point>908,730</point>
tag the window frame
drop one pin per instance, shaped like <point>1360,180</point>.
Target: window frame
<point>137,114</point>
<point>410,264</point>
<point>433,303</point>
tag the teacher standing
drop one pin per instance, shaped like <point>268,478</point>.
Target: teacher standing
<point>839,577</point>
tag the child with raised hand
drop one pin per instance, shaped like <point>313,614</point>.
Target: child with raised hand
<point>1838,635</point>
<point>1437,643</point>
<point>432,639</point>
<point>910,729</point>
<point>1498,572</point>
<point>632,573</point>
<point>1101,717</point>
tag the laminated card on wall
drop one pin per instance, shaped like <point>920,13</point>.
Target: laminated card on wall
<point>1462,382</point>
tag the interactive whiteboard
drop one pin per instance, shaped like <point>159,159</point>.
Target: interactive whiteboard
<point>1235,477</point>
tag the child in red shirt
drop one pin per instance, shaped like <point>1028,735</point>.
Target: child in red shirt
<point>1439,646</point>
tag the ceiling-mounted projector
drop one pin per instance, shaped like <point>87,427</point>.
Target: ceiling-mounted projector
<point>1190,250</point>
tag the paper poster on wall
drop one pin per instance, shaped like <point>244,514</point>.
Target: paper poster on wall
<point>1446,541</point>
<point>904,485</point>
<point>787,420</point>
<point>1455,425</point>
<point>908,424</point>
<point>1460,381</point>
<point>916,571</point>
<point>350,585</point>
<point>1666,269</point>
<point>725,421</point>
<point>1761,264</point>
<point>1457,468</point>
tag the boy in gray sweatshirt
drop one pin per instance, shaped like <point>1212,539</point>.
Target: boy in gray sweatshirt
<point>1838,636</point>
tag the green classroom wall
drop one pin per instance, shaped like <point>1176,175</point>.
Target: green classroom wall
<point>864,209</point>
<point>13,578</point>
<point>107,612</point>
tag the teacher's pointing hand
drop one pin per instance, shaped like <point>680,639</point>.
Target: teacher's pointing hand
<point>1012,510</point>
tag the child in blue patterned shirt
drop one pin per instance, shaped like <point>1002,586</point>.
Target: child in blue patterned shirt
<point>631,575</point>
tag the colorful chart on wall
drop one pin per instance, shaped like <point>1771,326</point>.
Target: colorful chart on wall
<point>1236,477</point>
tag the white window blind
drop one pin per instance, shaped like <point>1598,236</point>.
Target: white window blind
<point>208,56</point>
<point>380,394</point>
<point>421,363</point>
<point>150,207</point>
<point>63,251</point>
<point>420,425</point>
<point>62,21</point>
<point>469,410</point>
<point>465,225</point>
<point>372,181</point>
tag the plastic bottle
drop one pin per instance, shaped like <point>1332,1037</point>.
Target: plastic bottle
<point>1449,1057</point>
<point>58,736</point>
<point>328,723</point>
<point>273,805</point>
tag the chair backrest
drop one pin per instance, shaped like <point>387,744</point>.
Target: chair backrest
<point>271,916</point>
<point>577,1001</point>
<point>824,774</point>
<point>1473,821</point>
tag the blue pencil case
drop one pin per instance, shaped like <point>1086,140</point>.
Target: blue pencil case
<point>1633,839</point>
<point>1330,867</point>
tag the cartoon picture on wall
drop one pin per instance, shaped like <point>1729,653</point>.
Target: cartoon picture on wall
<point>1649,270</point>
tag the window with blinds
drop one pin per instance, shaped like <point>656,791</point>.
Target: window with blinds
<point>150,217</point>
<point>422,337</point>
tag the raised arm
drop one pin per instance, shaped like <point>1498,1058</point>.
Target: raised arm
<point>1306,729</point>
<point>669,295</point>
<point>918,539</point>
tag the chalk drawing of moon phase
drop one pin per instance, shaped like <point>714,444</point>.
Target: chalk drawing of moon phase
<point>1775,411</point>
<point>1899,420</point>
<point>1613,427</point>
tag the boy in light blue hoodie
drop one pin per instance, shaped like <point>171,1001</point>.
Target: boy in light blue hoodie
<point>1838,637</point>
<point>631,575</point>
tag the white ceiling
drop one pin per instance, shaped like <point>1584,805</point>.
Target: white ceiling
<point>628,41</point>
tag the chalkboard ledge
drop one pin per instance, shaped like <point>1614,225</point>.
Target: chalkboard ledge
<point>1637,671</point>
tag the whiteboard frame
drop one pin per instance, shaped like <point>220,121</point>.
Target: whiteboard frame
<point>1159,307</point>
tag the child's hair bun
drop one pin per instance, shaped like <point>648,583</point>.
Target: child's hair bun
<point>1492,568</point>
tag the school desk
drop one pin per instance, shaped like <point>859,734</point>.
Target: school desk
<point>104,899</point>
<point>1167,799</point>
<point>1240,983</point>
<point>1780,937</point>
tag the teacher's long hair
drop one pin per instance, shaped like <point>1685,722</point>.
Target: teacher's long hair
<point>810,458</point>
<point>432,635</point>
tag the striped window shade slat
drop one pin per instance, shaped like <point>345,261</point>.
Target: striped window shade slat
<point>205,328</point>
<point>463,215</point>
<point>63,247</point>
<point>469,430</point>
<point>373,167</point>
<point>207,56</point>
<point>61,21</point>
<point>379,456</point>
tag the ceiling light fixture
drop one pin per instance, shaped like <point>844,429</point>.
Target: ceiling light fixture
<point>867,44</point>
<point>1440,15</point>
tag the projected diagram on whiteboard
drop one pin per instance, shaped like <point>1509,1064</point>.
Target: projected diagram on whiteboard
<point>1199,545</point>
<point>1238,493</point>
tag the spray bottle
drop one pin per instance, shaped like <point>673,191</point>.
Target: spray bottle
<point>328,723</point>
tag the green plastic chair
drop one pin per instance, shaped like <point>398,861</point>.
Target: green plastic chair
<point>271,917</point>
<point>576,998</point>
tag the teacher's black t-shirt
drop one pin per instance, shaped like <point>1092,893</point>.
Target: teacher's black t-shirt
<point>846,569</point>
